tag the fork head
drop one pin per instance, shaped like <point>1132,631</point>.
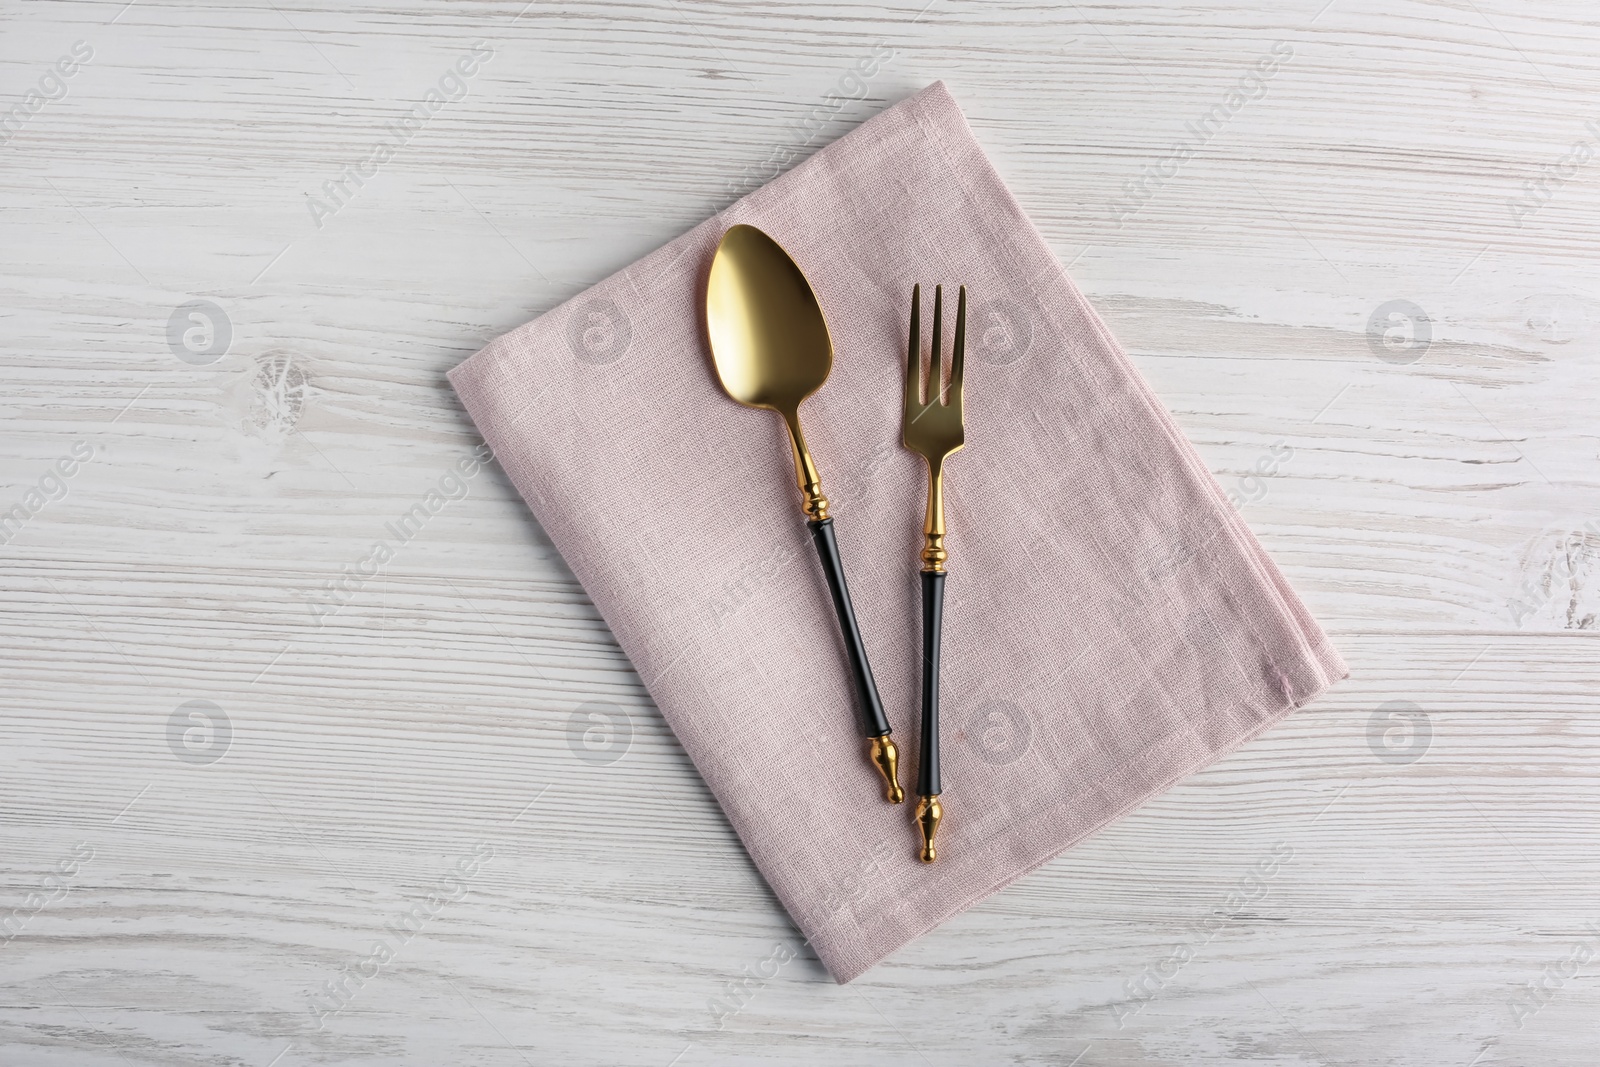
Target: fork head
<point>933,427</point>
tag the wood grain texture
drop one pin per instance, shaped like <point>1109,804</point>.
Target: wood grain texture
<point>420,767</point>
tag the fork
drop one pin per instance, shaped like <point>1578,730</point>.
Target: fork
<point>934,429</point>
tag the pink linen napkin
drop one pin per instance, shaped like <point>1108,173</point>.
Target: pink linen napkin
<point>1111,625</point>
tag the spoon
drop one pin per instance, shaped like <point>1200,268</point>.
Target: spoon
<point>771,349</point>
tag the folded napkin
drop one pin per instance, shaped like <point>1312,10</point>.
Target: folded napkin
<point>1111,625</point>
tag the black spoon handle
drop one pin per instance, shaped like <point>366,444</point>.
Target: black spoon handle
<point>873,720</point>
<point>881,748</point>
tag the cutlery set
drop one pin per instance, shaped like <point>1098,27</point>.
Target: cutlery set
<point>771,350</point>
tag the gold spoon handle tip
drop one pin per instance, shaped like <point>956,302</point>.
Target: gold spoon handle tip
<point>886,757</point>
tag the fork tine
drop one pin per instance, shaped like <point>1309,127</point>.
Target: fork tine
<point>914,357</point>
<point>959,358</point>
<point>936,358</point>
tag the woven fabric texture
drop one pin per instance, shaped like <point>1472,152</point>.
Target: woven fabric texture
<point>1111,624</point>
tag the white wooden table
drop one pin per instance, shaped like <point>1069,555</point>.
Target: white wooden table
<point>1383,261</point>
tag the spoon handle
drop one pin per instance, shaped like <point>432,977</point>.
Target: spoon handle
<point>881,747</point>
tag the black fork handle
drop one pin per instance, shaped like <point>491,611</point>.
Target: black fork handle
<point>874,722</point>
<point>928,784</point>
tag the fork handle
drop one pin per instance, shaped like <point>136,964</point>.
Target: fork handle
<point>928,783</point>
<point>874,722</point>
<point>929,809</point>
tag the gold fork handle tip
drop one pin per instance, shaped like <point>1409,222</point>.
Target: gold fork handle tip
<point>929,812</point>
